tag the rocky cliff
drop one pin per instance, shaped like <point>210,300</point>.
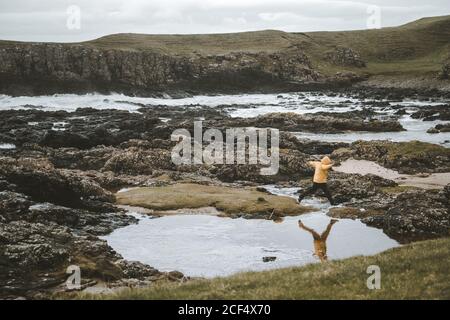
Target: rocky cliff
<point>239,62</point>
<point>47,68</point>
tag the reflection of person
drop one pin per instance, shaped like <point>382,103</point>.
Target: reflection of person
<point>278,219</point>
<point>320,240</point>
<point>275,217</point>
<point>320,179</point>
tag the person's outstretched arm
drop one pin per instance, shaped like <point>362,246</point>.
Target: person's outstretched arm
<point>327,166</point>
<point>313,232</point>
<point>312,163</point>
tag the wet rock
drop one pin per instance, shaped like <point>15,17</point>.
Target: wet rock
<point>348,188</point>
<point>91,159</point>
<point>136,161</point>
<point>352,213</point>
<point>39,241</point>
<point>289,141</point>
<point>432,113</point>
<point>13,206</point>
<point>60,139</point>
<point>175,276</point>
<point>292,165</point>
<point>432,131</point>
<point>44,184</point>
<point>269,259</point>
<point>415,215</point>
<point>440,128</point>
<point>318,123</point>
<point>137,270</point>
<point>90,222</point>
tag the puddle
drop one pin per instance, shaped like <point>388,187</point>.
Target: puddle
<point>432,181</point>
<point>203,245</point>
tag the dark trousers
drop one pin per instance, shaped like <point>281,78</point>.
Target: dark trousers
<point>313,189</point>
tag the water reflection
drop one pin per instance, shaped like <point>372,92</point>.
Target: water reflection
<point>319,240</point>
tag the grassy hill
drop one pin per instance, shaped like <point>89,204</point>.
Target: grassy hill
<point>415,271</point>
<point>409,56</point>
<point>417,47</point>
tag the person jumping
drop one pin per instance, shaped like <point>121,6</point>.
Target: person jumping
<point>320,179</point>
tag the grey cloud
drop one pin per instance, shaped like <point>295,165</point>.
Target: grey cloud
<point>45,20</point>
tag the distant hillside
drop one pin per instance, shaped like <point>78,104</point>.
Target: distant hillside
<point>262,60</point>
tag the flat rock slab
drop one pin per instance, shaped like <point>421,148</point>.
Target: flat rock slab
<point>427,181</point>
<point>226,199</point>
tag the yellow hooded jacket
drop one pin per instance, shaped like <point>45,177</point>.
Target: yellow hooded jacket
<point>321,169</point>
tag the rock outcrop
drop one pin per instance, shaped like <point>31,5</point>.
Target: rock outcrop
<point>36,68</point>
<point>324,123</point>
<point>415,215</point>
<point>440,128</point>
<point>347,57</point>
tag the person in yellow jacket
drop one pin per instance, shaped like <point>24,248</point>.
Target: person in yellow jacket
<point>320,240</point>
<point>320,179</point>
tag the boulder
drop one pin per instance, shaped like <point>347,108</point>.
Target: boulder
<point>45,184</point>
<point>415,215</point>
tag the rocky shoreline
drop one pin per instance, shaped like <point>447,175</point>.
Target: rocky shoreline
<point>58,185</point>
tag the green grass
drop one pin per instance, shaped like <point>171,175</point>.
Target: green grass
<point>415,271</point>
<point>226,199</point>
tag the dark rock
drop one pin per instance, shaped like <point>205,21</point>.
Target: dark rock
<point>269,259</point>
<point>329,123</point>
<point>348,188</point>
<point>312,147</point>
<point>60,139</point>
<point>137,161</point>
<point>440,128</point>
<point>415,215</point>
<point>137,270</point>
<point>432,113</point>
<point>44,184</point>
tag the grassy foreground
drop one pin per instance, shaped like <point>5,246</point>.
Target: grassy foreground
<point>416,271</point>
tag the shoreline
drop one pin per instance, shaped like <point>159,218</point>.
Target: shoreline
<point>399,85</point>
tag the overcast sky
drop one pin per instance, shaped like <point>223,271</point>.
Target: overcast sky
<point>57,20</point>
